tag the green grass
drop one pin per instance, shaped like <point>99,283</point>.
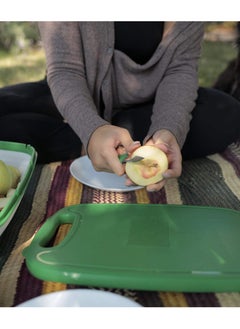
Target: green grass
<point>30,64</point>
<point>215,58</point>
<point>21,67</point>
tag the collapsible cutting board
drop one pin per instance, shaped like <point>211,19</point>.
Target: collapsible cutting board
<point>141,246</point>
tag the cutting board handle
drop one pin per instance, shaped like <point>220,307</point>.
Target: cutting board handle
<point>48,230</point>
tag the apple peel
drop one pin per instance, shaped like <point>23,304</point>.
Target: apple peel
<point>150,169</point>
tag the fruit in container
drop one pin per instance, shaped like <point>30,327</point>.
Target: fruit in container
<point>4,200</point>
<point>15,175</point>
<point>9,177</point>
<point>5,178</point>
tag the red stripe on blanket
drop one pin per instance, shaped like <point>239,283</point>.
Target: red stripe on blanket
<point>57,194</point>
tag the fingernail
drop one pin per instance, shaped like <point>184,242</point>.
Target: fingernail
<point>136,142</point>
<point>166,144</point>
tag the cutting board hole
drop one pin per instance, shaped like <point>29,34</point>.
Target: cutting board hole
<point>59,235</point>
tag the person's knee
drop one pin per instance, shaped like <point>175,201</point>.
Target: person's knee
<point>214,125</point>
<point>13,129</point>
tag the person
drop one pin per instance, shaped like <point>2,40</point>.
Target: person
<point>229,79</point>
<point>113,86</point>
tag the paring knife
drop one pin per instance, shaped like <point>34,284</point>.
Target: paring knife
<point>123,158</point>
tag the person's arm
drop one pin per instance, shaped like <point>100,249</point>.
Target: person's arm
<point>67,77</point>
<point>177,92</point>
<point>174,102</point>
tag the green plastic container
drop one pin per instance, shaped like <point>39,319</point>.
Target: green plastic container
<point>141,246</point>
<point>23,157</point>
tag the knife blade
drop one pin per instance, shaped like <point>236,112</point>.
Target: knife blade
<point>123,158</point>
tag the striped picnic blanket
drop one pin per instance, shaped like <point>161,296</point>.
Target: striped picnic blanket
<point>211,181</point>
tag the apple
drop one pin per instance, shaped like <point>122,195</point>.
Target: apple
<point>5,178</point>
<point>150,169</point>
<point>15,175</point>
<point>9,177</point>
<point>7,198</point>
<point>4,201</point>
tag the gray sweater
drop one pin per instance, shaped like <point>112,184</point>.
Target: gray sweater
<point>82,62</point>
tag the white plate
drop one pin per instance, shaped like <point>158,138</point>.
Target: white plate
<point>80,298</point>
<point>82,169</point>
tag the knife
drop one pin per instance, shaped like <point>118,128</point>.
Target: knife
<point>123,158</point>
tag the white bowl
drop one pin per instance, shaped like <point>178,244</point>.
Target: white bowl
<point>80,298</point>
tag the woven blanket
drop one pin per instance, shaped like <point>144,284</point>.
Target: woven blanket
<point>210,181</point>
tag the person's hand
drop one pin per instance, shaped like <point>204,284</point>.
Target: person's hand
<point>105,144</point>
<point>166,141</point>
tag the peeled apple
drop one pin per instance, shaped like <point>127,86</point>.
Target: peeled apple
<point>5,178</point>
<point>15,175</point>
<point>150,169</point>
<point>7,198</point>
<point>9,177</point>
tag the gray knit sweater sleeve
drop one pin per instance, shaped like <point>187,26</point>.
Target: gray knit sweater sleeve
<point>66,74</point>
<point>177,91</point>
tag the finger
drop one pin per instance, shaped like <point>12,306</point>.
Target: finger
<point>129,182</point>
<point>128,149</point>
<point>150,188</point>
<point>174,170</point>
<point>160,144</point>
<point>156,187</point>
<point>114,164</point>
<point>108,162</point>
<point>118,168</point>
<point>128,143</point>
<point>170,173</point>
<point>176,166</point>
<point>164,147</point>
<point>120,149</point>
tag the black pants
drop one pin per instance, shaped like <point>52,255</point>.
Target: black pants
<point>29,115</point>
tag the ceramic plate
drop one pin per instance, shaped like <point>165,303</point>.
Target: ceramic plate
<point>83,171</point>
<point>80,298</point>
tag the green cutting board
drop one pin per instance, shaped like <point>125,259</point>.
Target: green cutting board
<point>141,246</point>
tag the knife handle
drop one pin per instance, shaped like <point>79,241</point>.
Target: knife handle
<point>123,157</point>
